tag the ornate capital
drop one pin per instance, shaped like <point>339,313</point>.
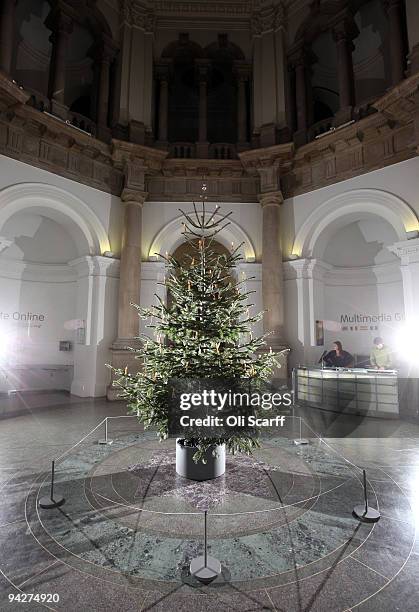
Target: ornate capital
<point>269,178</point>
<point>408,251</point>
<point>272,198</point>
<point>268,18</point>
<point>60,21</point>
<point>5,243</point>
<point>133,196</point>
<point>134,172</point>
<point>137,14</point>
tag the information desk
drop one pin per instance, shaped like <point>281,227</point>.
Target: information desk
<point>349,390</point>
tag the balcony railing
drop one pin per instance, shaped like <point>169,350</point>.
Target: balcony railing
<point>182,150</point>
<point>321,127</point>
<point>364,109</point>
<point>38,100</point>
<point>82,123</point>
<point>222,150</point>
<point>43,104</point>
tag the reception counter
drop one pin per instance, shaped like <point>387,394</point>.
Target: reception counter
<point>349,390</point>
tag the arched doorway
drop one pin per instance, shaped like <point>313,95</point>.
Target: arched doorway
<point>363,287</point>
<point>38,300</point>
<point>58,306</point>
<point>345,276</point>
<point>184,252</point>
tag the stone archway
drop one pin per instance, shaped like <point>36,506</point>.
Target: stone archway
<point>170,237</point>
<point>51,264</point>
<point>355,204</point>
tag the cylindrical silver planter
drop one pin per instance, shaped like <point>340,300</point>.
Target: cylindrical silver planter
<point>215,465</point>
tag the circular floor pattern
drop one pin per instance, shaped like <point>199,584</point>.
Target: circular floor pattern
<point>275,519</point>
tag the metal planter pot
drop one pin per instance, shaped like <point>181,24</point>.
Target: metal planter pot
<point>213,468</point>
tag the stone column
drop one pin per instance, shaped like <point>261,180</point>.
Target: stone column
<point>269,73</point>
<point>272,281</point>
<point>7,27</point>
<point>242,74</point>
<point>291,100</point>
<point>162,74</point>
<point>61,25</point>
<point>202,144</point>
<point>412,18</point>
<point>343,35</point>
<point>97,290</point>
<point>397,55</point>
<point>272,275</point>
<point>306,278</point>
<point>408,252</point>
<point>105,55</point>
<point>130,272</point>
<point>299,61</point>
<point>133,198</point>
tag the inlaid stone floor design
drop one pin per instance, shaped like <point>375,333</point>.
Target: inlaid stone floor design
<point>280,522</point>
<point>282,514</point>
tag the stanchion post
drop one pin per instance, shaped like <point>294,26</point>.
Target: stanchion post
<point>205,538</point>
<point>53,501</point>
<point>364,512</point>
<point>205,568</point>
<point>105,440</point>
<point>364,477</point>
<point>301,440</point>
<point>52,479</point>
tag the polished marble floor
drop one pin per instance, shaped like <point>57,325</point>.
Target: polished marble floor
<point>280,522</point>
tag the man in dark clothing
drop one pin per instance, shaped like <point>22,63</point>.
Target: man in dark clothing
<point>338,358</point>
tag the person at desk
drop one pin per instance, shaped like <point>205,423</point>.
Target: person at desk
<point>338,358</point>
<point>380,357</point>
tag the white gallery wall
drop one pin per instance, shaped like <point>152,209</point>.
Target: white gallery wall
<point>351,251</point>
<point>55,283</point>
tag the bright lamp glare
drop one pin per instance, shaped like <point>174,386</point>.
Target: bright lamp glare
<point>4,346</point>
<point>407,342</point>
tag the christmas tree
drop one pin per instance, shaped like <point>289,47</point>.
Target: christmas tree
<point>204,331</point>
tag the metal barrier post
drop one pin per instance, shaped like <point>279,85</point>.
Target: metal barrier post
<point>205,568</point>
<point>105,440</point>
<point>52,501</point>
<point>364,512</point>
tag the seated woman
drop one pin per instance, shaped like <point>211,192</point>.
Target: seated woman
<point>338,358</point>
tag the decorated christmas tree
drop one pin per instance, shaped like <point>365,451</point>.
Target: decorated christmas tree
<point>203,332</point>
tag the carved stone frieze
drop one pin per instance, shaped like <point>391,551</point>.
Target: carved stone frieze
<point>369,144</point>
<point>267,18</point>
<point>388,136</point>
<point>138,13</point>
<point>123,151</point>
<point>181,180</point>
<point>211,7</point>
